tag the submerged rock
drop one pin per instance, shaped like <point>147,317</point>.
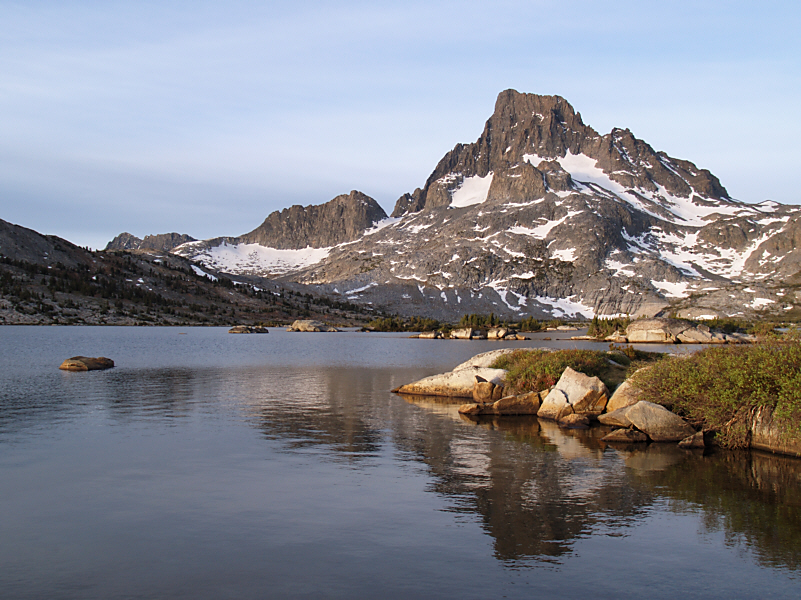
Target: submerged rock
<point>523,404</point>
<point>625,436</point>
<point>86,363</point>
<point>693,441</point>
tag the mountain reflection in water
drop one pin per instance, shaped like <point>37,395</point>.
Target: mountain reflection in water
<point>541,496</point>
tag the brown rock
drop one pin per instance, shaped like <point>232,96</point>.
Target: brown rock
<point>85,363</point>
<point>574,421</point>
<point>625,436</point>
<point>625,395</point>
<point>555,405</point>
<point>524,404</point>
<point>482,390</point>
<point>693,441</point>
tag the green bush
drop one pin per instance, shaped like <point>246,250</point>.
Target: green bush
<point>722,387</point>
<point>535,370</point>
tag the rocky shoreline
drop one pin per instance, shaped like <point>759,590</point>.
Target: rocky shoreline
<point>580,401</point>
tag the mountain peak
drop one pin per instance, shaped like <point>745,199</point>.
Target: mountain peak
<point>339,220</point>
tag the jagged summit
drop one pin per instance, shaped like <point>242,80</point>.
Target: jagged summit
<point>163,242</point>
<point>540,216</point>
<point>546,133</point>
<point>342,219</point>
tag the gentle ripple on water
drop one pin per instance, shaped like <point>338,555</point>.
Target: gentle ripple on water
<point>212,465</point>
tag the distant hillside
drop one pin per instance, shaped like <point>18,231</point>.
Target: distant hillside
<point>48,280</point>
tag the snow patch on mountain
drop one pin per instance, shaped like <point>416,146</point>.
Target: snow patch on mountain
<point>474,190</point>
<point>566,307</point>
<point>253,259</point>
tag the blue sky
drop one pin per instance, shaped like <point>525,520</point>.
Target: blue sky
<point>204,117</point>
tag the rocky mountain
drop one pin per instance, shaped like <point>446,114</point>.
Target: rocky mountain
<point>163,241</point>
<point>48,280</point>
<point>541,216</point>
<point>289,239</point>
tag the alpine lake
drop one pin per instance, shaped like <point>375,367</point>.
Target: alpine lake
<point>209,465</point>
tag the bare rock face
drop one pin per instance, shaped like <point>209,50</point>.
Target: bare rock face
<point>659,330</point>
<point>163,242</point>
<point>658,423</point>
<point>555,406</point>
<point>342,219</point>
<point>86,363</point>
<point>310,325</point>
<point>575,393</point>
<point>485,359</point>
<point>765,435</point>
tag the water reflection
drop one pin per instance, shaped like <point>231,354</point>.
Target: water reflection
<point>538,488</point>
<point>534,488</point>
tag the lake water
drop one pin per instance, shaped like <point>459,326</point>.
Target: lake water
<point>208,465</point>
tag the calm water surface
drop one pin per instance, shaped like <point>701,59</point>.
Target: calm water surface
<point>208,465</point>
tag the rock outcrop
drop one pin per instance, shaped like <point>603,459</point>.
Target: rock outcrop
<point>767,435</point>
<point>663,331</point>
<point>343,219</point>
<point>247,329</point>
<point>163,242</point>
<point>311,326</point>
<point>86,363</point>
<point>457,384</point>
<point>574,393</point>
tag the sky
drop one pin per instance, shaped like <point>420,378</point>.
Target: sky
<point>204,117</point>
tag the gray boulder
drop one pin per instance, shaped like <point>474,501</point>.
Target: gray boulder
<point>457,384</point>
<point>310,325</point>
<point>657,330</point>
<point>462,334</point>
<point>658,423</point>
